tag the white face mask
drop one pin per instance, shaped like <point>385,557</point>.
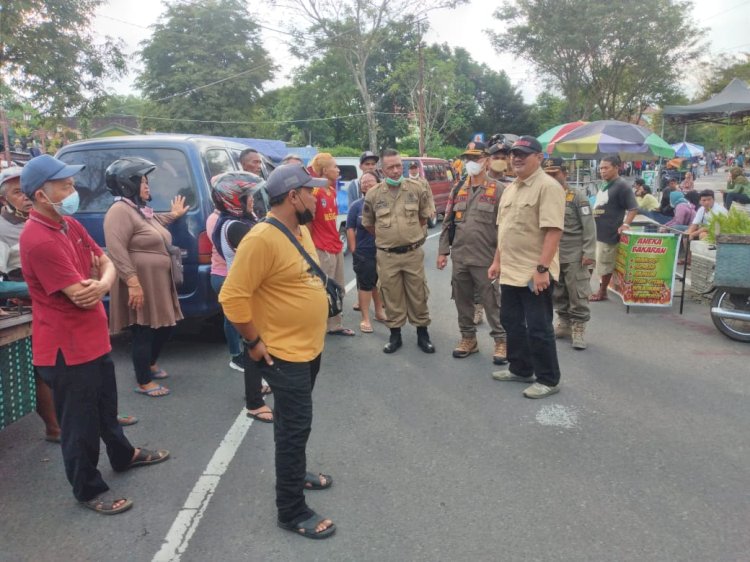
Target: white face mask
<point>474,168</point>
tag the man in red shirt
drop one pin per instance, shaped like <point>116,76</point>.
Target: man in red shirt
<point>325,233</point>
<point>68,275</point>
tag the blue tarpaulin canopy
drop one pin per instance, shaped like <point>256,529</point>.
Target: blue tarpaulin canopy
<point>273,149</point>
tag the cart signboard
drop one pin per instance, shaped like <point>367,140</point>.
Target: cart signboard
<point>645,268</point>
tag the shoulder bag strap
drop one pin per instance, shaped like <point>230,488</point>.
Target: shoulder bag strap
<point>315,267</point>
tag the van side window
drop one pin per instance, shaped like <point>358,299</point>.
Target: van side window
<point>218,162</point>
<point>171,177</point>
<point>430,172</point>
<point>347,173</point>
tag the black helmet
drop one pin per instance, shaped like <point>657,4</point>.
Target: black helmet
<point>123,176</point>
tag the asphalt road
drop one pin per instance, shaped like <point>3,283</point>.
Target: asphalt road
<point>643,455</point>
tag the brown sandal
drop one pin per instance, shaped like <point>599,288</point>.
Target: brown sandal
<point>106,506</point>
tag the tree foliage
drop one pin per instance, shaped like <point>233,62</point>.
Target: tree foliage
<point>609,61</point>
<point>48,54</point>
<point>204,62</point>
<point>355,30</point>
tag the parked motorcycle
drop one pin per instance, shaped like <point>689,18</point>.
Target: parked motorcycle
<point>730,313</point>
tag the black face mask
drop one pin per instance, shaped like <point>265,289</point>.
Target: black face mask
<point>304,217</point>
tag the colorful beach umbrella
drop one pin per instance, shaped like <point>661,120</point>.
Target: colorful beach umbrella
<point>687,149</point>
<point>548,138</point>
<point>601,138</point>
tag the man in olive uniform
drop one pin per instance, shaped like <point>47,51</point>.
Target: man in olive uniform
<point>499,152</point>
<point>577,257</point>
<point>396,211</point>
<point>471,213</point>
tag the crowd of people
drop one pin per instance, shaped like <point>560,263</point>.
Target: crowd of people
<point>522,242</point>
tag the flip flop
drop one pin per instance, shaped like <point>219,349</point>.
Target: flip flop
<point>312,481</point>
<point>159,375</point>
<point>146,457</point>
<point>151,391</point>
<point>365,328</point>
<point>258,418</point>
<point>306,528</point>
<point>125,420</point>
<point>341,332</point>
<point>105,506</point>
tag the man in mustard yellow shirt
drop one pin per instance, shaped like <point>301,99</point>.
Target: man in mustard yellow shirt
<point>280,308</point>
<point>530,225</point>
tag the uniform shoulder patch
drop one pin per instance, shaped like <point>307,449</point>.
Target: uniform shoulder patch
<point>586,209</point>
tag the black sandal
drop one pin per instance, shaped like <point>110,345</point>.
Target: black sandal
<point>105,506</point>
<point>307,527</point>
<point>312,481</point>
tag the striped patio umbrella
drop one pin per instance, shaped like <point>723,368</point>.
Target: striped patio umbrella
<point>602,138</point>
<point>548,138</point>
<point>687,149</point>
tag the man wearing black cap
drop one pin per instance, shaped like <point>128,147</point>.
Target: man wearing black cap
<point>68,275</point>
<point>280,308</point>
<point>577,257</point>
<point>530,225</point>
<point>367,163</point>
<point>469,235</point>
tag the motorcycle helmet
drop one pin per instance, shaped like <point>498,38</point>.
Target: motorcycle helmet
<point>123,176</point>
<point>227,190</point>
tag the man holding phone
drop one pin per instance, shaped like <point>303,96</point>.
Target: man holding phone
<point>530,225</point>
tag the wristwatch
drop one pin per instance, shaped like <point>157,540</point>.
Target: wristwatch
<point>251,343</point>
<point>541,269</point>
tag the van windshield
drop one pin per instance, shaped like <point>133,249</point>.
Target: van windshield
<point>171,177</point>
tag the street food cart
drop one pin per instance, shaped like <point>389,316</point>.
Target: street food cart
<point>17,384</point>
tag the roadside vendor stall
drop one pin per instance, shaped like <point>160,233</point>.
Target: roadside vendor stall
<point>17,384</point>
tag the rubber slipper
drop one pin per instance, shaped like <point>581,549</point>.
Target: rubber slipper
<point>365,328</point>
<point>104,506</point>
<point>146,457</point>
<point>341,332</point>
<point>125,420</point>
<point>159,375</point>
<point>258,418</point>
<point>306,528</point>
<point>312,481</point>
<point>151,391</point>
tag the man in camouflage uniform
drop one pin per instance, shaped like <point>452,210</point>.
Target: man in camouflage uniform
<point>577,257</point>
<point>471,215</point>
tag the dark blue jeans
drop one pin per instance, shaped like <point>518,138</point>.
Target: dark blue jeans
<point>730,198</point>
<point>230,332</point>
<point>292,385</point>
<point>85,399</point>
<point>527,319</point>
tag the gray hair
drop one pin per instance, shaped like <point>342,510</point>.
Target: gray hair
<point>290,157</point>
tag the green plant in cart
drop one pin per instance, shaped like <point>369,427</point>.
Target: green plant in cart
<point>735,222</point>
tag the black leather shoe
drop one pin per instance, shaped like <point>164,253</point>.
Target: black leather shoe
<point>425,344</point>
<point>393,345</point>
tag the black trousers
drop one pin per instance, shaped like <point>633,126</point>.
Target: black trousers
<point>146,348</point>
<point>292,385</point>
<point>85,398</point>
<point>253,384</point>
<point>527,319</point>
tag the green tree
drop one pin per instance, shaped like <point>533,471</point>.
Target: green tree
<point>548,111</point>
<point>203,68</point>
<point>356,30</point>
<point>616,60</point>
<point>48,53</point>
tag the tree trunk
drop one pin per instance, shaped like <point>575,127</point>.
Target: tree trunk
<point>357,67</point>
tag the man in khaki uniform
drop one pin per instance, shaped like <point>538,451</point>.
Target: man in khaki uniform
<point>471,213</point>
<point>530,224</point>
<point>577,257</point>
<point>396,211</point>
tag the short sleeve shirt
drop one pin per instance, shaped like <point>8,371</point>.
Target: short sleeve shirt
<point>527,208</point>
<point>702,218</point>
<point>610,207</point>
<point>55,256</point>
<point>365,241</point>
<point>396,215</point>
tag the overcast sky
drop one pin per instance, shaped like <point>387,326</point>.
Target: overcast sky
<point>727,22</point>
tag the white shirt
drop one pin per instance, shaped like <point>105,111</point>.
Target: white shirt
<point>701,218</point>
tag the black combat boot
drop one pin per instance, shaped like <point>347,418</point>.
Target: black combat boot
<point>394,342</point>
<point>423,340</point>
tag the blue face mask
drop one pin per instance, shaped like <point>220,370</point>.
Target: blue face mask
<point>67,206</point>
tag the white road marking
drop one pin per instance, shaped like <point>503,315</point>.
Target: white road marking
<point>557,416</point>
<point>179,535</point>
<point>176,542</point>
